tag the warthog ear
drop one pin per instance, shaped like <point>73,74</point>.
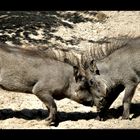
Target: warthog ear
<point>78,73</point>
<point>86,65</point>
<point>67,61</point>
<point>75,69</point>
<point>93,62</point>
<point>94,66</point>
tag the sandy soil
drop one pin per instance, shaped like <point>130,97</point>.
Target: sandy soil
<point>26,111</point>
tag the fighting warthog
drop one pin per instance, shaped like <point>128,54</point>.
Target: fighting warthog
<point>117,70</point>
<point>26,71</point>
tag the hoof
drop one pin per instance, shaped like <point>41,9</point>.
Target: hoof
<point>100,118</point>
<point>49,121</point>
<point>125,118</point>
<point>52,122</point>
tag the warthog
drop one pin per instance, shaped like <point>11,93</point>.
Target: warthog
<point>26,71</point>
<point>109,76</point>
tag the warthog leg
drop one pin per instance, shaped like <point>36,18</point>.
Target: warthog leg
<point>48,100</point>
<point>129,92</point>
<point>107,101</point>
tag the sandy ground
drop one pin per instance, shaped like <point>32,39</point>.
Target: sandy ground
<point>26,111</point>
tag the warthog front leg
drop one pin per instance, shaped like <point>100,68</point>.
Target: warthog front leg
<point>102,108</point>
<point>51,106</point>
<point>129,92</point>
<point>48,100</point>
<point>106,102</point>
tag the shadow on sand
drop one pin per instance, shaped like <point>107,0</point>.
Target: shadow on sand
<point>116,113</point>
<point>40,114</point>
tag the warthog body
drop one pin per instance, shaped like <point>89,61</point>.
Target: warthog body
<point>111,75</point>
<point>26,71</point>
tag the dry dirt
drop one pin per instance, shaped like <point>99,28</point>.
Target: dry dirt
<point>26,111</point>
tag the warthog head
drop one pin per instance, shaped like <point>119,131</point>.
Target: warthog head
<point>82,87</point>
<point>92,81</point>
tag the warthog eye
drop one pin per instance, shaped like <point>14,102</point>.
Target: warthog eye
<point>91,82</point>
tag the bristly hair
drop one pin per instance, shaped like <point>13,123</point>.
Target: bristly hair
<point>105,47</point>
<point>71,56</point>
